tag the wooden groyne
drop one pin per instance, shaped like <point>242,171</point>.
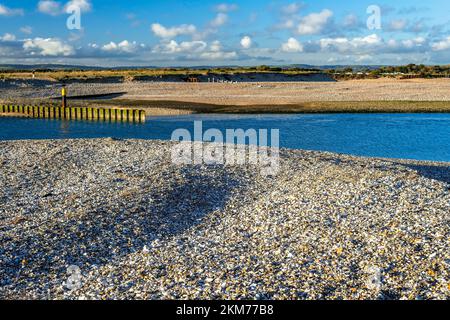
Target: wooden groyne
<point>75,113</point>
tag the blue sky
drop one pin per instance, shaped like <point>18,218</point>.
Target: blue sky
<point>192,33</point>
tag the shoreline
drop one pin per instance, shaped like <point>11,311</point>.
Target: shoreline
<point>405,161</point>
<point>159,98</point>
<point>170,108</point>
<point>218,232</point>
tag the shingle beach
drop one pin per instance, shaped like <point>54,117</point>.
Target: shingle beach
<point>327,226</point>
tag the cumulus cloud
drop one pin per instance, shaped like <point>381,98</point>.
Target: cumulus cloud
<point>219,55</point>
<point>8,37</point>
<point>369,45</point>
<point>195,50</point>
<point>351,22</point>
<point>219,20</point>
<point>9,12</point>
<point>226,7</point>
<point>49,7</point>
<point>364,58</point>
<point>26,30</point>
<point>215,46</point>
<point>291,9</point>
<point>350,45</point>
<point>122,47</point>
<point>314,23</point>
<point>163,32</point>
<point>48,47</point>
<point>409,43</point>
<point>292,45</point>
<point>186,46</point>
<point>84,5</point>
<point>246,42</point>
<point>55,8</point>
<point>397,25</point>
<point>441,45</point>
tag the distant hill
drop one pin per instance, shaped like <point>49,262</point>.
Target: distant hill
<point>45,67</point>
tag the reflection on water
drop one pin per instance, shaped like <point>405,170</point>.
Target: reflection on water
<point>412,136</point>
<point>65,128</point>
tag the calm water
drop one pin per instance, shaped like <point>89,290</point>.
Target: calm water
<point>411,136</point>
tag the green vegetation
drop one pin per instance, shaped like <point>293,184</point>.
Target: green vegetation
<point>410,71</point>
<point>342,73</point>
<point>70,74</point>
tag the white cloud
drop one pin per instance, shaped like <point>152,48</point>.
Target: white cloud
<point>195,50</point>
<point>84,5</point>
<point>369,45</point>
<point>291,9</point>
<point>48,47</point>
<point>49,7</point>
<point>225,7</point>
<point>364,58</point>
<point>292,45</point>
<point>26,30</point>
<point>350,45</point>
<point>55,8</point>
<point>397,25</point>
<point>183,47</point>
<point>351,21</point>
<point>246,42</point>
<point>220,55</point>
<point>122,47</point>
<point>163,32</point>
<point>416,42</point>
<point>5,11</point>
<point>219,20</point>
<point>215,46</point>
<point>314,23</point>
<point>441,45</point>
<point>8,37</point>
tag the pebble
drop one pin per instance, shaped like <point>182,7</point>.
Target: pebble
<point>139,227</point>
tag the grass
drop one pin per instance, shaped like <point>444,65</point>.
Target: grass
<point>66,75</point>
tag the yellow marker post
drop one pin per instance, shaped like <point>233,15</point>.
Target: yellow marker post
<point>64,96</point>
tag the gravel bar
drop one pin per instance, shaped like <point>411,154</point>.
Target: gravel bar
<point>327,226</point>
<point>273,93</point>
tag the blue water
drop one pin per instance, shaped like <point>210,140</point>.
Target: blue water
<point>407,136</point>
